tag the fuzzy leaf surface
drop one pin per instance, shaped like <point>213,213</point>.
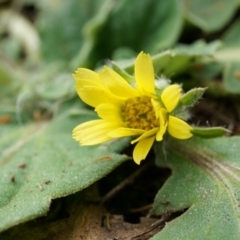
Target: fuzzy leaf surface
<point>205,182</point>
<point>177,60</point>
<point>144,24</point>
<point>209,15</point>
<point>41,162</point>
<point>192,96</point>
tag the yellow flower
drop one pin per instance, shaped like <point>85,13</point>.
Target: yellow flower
<point>127,110</point>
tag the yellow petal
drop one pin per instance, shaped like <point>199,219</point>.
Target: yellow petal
<point>88,124</point>
<point>116,84</point>
<point>109,112</point>
<point>141,149</point>
<point>84,129</point>
<point>162,123</point>
<point>91,89</point>
<point>146,135</point>
<point>125,132</point>
<point>178,128</point>
<point>170,96</point>
<point>97,138</point>
<point>95,96</point>
<point>87,75</point>
<point>93,132</point>
<point>156,106</point>
<point>144,74</point>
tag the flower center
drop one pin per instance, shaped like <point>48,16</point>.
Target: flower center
<point>139,113</point>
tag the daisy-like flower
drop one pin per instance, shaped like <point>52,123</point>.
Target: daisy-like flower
<point>126,110</point>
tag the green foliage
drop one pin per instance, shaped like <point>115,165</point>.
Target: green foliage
<point>209,15</point>
<point>209,132</point>
<point>142,18</point>
<point>44,163</point>
<point>194,43</point>
<point>232,77</point>
<point>205,184</point>
<point>63,37</point>
<point>179,59</point>
<point>191,97</point>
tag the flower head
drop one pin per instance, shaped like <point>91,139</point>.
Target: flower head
<point>127,110</point>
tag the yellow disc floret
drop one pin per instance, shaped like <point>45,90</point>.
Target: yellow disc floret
<point>139,113</point>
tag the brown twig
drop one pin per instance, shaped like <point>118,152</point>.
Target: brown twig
<point>159,223</point>
<point>140,209</point>
<point>124,183</point>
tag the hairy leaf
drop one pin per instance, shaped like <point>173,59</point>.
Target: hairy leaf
<point>41,162</point>
<point>205,182</point>
<point>177,60</point>
<point>144,24</point>
<point>209,15</point>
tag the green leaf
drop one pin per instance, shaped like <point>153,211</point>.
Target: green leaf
<point>230,48</point>
<point>209,15</point>
<point>144,24</point>
<point>228,58</point>
<point>129,78</point>
<point>183,57</point>
<point>149,29</point>
<point>61,86</point>
<point>209,132</point>
<point>177,60</point>
<point>191,97</point>
<point>41,162</point>
<point>231,36</point>
<point>228,54</point>
<point>231,77</point>
<point>60,23</point>
<point>205,182</point>
<point>91,32</point>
